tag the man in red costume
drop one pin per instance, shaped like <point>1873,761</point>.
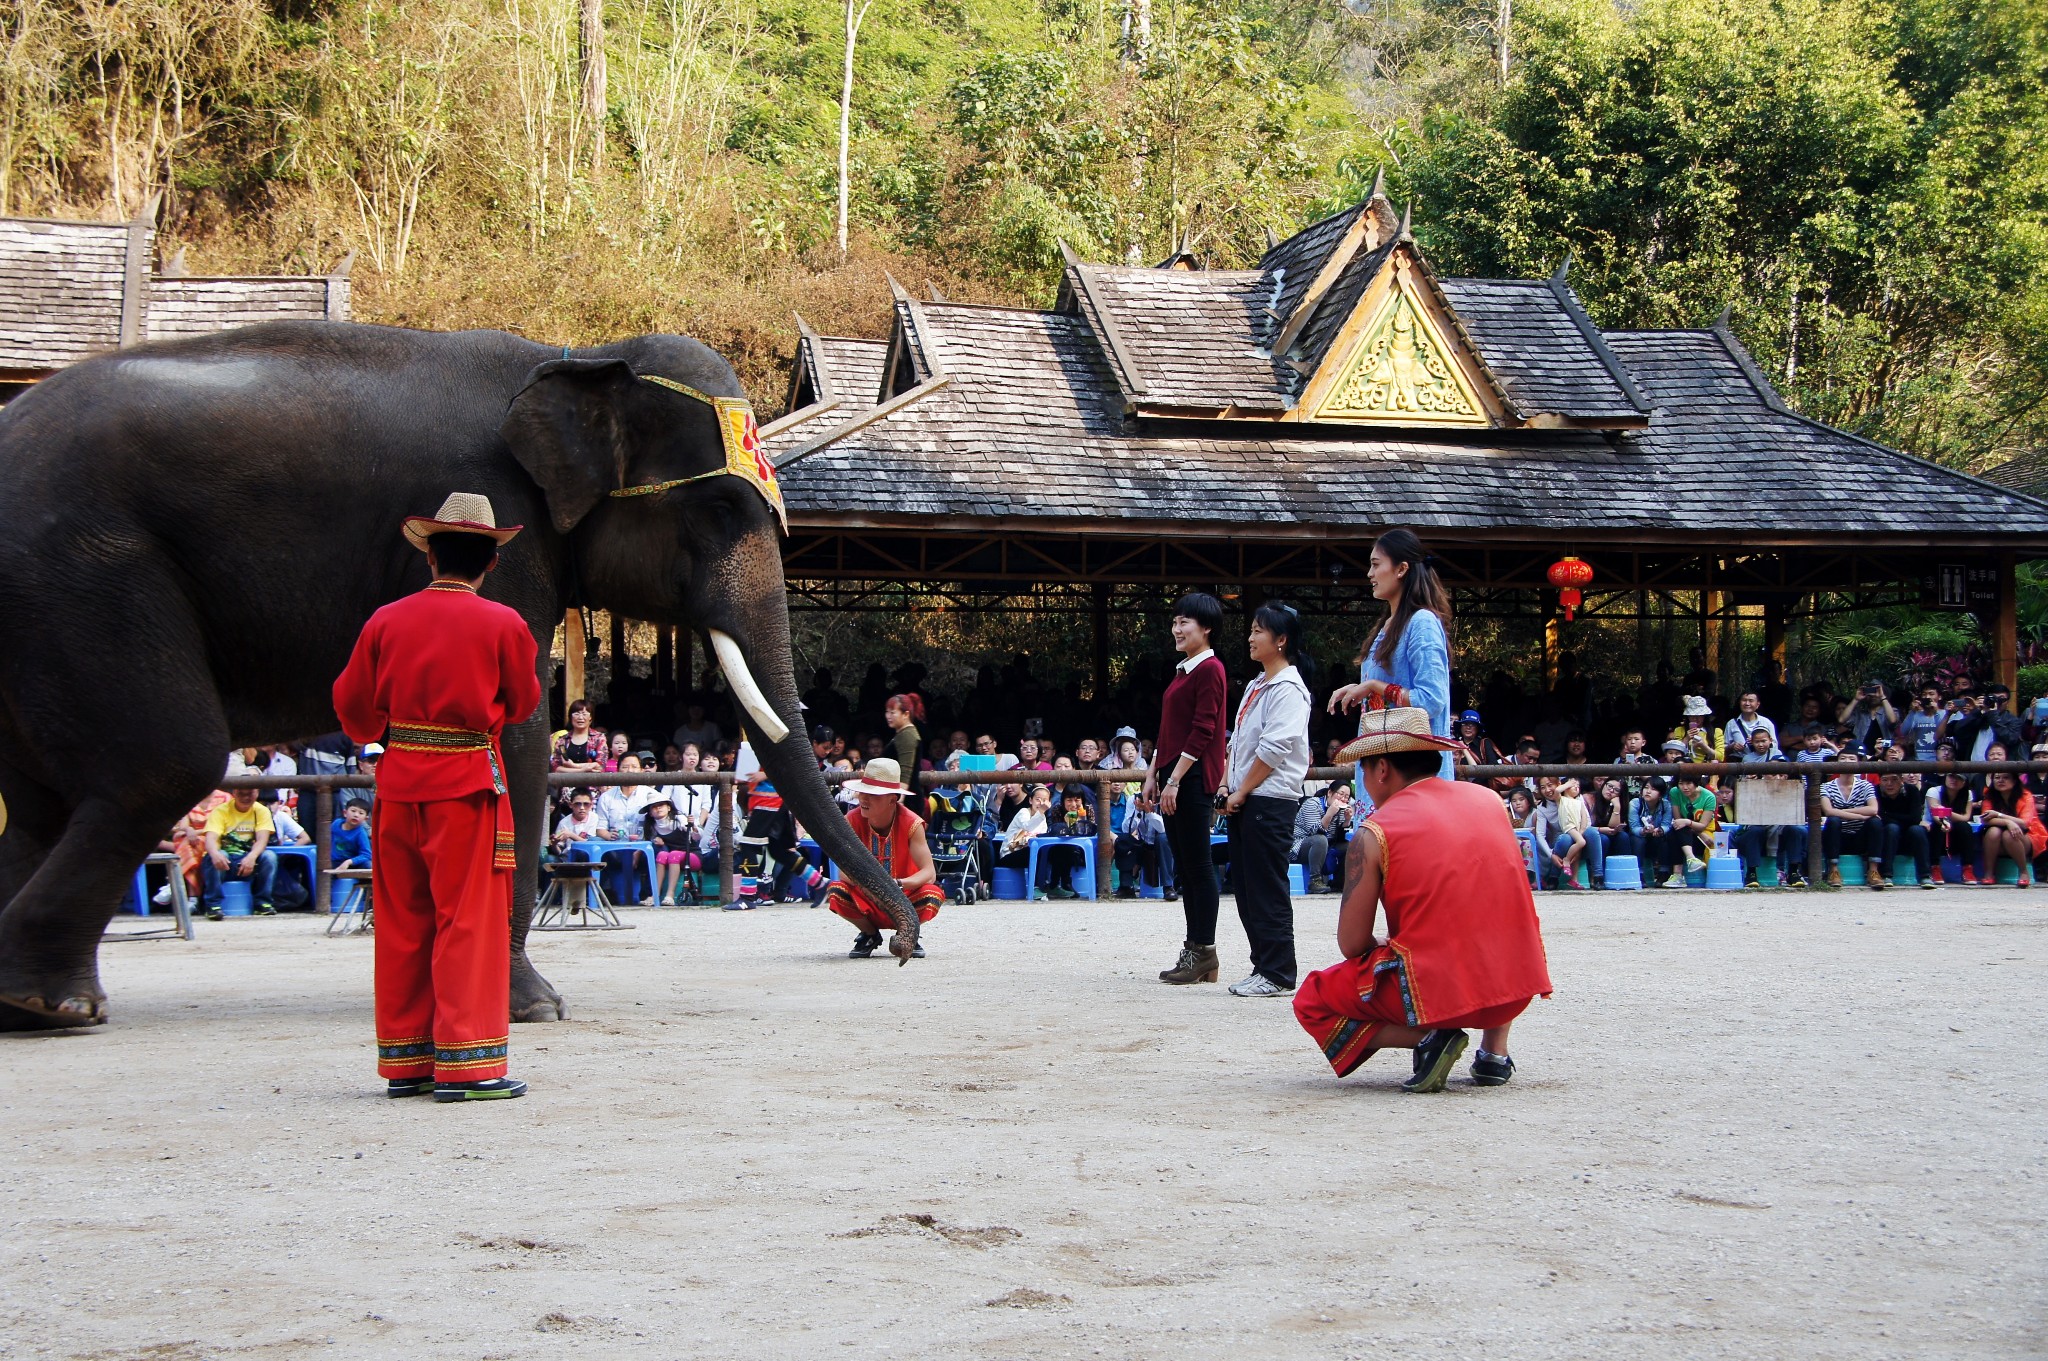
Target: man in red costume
<point>1463,949</point>
<point>443,672</point>
<point>895,836</point>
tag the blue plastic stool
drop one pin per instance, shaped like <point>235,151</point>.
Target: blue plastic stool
<point>1851,867</point>
<point>1951,870</point>
<point>1724,872</point>
<point>2007,872</point>
<point>1012,886</point>
<point>1082,881</point>
<point>1297,879</point>
<point>235,900</point>
<point>1624,871</point>
<point>1904,872</point>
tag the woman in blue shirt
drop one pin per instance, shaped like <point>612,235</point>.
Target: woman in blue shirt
<point>1408,662</point>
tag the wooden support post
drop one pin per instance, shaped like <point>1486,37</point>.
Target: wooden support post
<point>1101,594</point>
<point>1774,633</point>
<point>620,661</point>
<point>664,658</point>
<point>728,825</point>
<point>1711,605</point>
<point>2005,646</point>
<point>323,848</point>
<point>572,660</point>
<point>1646,666</point>
<point>686,663</point>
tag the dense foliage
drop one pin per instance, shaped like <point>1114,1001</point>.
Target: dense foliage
<point>1862,180</point>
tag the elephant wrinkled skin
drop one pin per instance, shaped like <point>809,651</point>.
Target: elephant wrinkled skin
<point>193,533</point>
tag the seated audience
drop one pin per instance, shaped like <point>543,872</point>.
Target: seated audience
<point>350,837</point>
<point>238,835</point>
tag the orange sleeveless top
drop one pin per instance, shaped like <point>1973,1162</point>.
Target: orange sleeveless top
<point>1461,921</point>
<point>892,847</point>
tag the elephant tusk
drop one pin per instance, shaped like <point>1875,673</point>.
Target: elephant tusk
<point>734,664</point>
<point>3,817</point>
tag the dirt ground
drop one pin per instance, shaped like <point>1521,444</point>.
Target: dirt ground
<point>1747,1126</point>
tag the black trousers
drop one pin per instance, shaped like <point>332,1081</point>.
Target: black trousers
<point>1259,840</point>
<point>1187,827</point>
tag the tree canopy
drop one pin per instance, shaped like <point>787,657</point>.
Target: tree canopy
<point>1861,182</point>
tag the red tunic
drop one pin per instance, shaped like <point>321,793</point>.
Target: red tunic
<point>1464,948</point>
<point>442,657</point>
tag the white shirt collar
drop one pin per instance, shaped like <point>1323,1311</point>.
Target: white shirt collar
<point>1190,663</point>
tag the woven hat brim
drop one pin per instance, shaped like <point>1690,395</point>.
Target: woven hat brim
<point>1380,744</point>
<point>418,527</point>
<point>863,787</point>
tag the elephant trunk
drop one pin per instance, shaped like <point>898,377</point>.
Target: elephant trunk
<point>759,667</point>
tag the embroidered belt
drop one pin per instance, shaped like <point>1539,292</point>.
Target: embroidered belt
<point>436,737</point>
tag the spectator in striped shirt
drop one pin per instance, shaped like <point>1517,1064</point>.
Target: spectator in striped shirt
<point>1851,824</point>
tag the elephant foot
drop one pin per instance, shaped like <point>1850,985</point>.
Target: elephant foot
<point>532,997</point>
<point>73,1008</point>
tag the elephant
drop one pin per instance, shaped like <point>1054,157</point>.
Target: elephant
<point>193,532</point>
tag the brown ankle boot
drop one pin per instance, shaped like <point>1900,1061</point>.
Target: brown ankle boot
<point>1197,964</point>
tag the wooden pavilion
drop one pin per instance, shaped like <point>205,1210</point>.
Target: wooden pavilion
<point>73,289</point>
<point>1173,426</point>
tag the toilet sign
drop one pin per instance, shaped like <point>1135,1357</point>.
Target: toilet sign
<point>1971,586</point>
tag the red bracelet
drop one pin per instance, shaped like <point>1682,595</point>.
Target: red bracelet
<point>1392,696</point>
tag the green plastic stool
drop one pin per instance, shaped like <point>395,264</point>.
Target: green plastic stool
<point>2008,873</point>
<point>1904,872</point>
<point>1851,867</point>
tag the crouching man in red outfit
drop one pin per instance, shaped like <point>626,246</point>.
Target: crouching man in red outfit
<point>1463,948</point>
<point>442,672</point>
<point>896,837</point>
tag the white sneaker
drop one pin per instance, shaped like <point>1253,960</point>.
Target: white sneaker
<point>1694,864</point>
<point>1258,985</point>
<point>162,897</point>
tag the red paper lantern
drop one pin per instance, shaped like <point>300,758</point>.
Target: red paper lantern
<point>1568,574</point>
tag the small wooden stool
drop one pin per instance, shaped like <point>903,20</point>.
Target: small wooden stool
<point>354,916</point>
<point>575,900</point>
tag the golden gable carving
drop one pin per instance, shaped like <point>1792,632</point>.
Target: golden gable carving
<point>1402,371</point>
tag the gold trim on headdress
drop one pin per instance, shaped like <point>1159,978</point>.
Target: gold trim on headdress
<point>744,457</point>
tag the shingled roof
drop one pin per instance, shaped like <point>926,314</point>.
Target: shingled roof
<point>1027,425</point>
<point>846,370</point>
<point>73,289</point>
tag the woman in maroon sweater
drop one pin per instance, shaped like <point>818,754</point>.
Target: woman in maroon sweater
<point>1191,753</point>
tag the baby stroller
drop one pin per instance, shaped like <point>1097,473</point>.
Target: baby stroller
<point>954,835</point>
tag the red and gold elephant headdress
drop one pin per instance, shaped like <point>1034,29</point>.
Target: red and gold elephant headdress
<point>744,456</point>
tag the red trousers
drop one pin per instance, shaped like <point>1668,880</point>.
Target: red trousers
<point>1344,1009</point>
<point>850,903</point>
<point>444,939</point>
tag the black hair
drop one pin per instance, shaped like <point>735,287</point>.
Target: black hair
<point>1284,622</point>
<point>1416,765</point>
<point>822,733</point>
<point>1656,782</point>
<point>1421,589</point>
<point>467,556</point>
<point>1203,608</point>
<point>355,803</point>
<point>582,792</point>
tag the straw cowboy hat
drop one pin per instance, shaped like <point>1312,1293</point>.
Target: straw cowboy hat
<point>1696,707</point>
<point>881,776</point>
<point>1391,730</point>
<point>464,512</point>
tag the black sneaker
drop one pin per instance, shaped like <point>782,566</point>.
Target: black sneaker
<point>490,1089</point>
<point>1492,1070</point>
<point>266,909</point>
<point>214,914</point>
<point>1434,1059</point>
<point>865,945</point>
<point>409,1086</point>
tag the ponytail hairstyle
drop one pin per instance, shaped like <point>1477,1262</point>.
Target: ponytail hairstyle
<point>1421,589</point>
<point>909,704</point>
<point>1284,623</point>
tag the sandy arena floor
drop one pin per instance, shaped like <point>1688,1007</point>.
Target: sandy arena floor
<point>1747,1126</point>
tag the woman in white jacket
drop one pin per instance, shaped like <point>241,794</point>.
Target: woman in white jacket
<point>1268,761</point>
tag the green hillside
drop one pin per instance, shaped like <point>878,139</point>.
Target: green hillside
<point>1862,181</point>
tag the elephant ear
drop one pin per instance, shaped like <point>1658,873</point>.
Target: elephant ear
<point>567,428</point>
